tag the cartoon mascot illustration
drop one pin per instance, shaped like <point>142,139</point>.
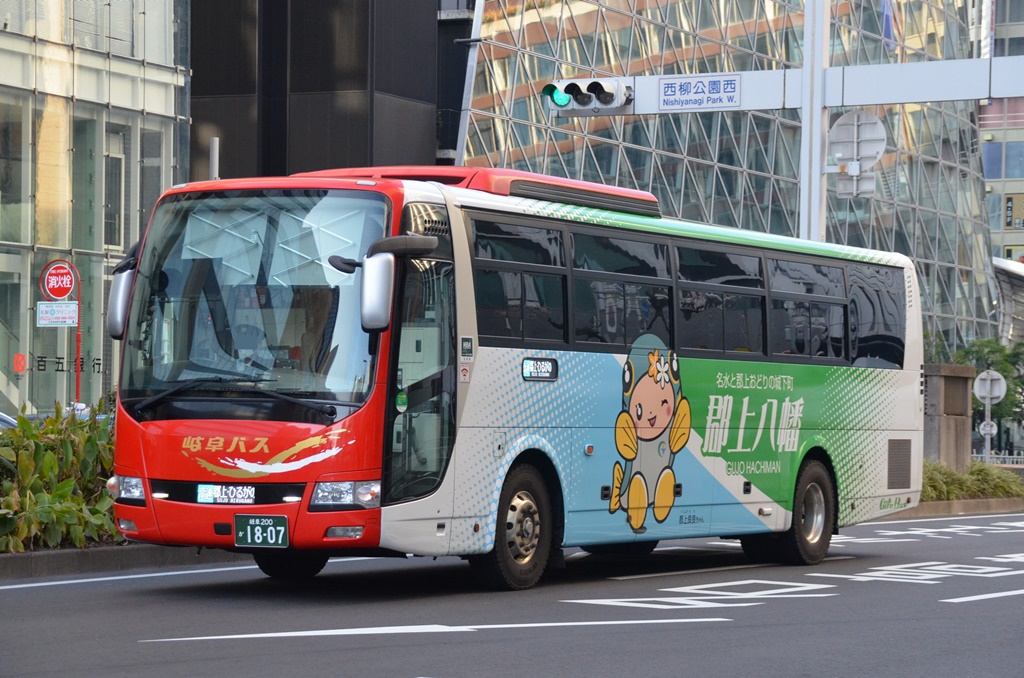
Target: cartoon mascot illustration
<point>652,427</point>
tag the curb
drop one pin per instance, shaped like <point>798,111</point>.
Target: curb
<point>121,558</point>
<point>959,507</point>
<point>127,557</point>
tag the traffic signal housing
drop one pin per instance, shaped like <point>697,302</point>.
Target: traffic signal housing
<point>589,97</point>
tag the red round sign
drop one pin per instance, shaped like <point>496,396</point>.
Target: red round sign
<point>58,280</point>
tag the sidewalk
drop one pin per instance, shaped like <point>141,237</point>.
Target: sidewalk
<point>120,559</point>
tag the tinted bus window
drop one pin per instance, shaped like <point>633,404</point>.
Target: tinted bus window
<point>804,278</point>
<point>521,244</point>
<point>599,308</point>
<point>615,255</point>
<point>543,307</point>
<point>721,321</point>
<point>700,320</point>
<point>744,323</point>
<point>721,268</point>
<point>808,329</point>
<point>878,322</point>
<point>610,312</point>
<point>520,305</point>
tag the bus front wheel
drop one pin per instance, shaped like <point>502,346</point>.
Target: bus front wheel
<point>522,539</point>
<point>290,565</point>
<point>814,516</point>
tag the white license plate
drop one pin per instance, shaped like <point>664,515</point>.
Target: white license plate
<point>261,531</point>
<point>226,494</point>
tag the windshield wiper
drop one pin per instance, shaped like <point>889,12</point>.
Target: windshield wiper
<point>326,410</point>
<point>154,399</point>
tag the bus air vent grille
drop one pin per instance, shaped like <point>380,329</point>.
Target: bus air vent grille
<point>899,464</point>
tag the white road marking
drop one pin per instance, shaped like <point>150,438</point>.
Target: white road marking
<point>700,571</point>
<point>960,516</point>
<point>432,628</point>
<point>986,596</point>
<point>724,568</point>
<point>126,577</point>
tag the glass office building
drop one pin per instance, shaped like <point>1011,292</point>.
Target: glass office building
<point>740,168</point>
<point>95,106</point>
<point>93,126</point>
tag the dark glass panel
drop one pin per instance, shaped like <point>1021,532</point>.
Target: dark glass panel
<point>521,244</point>
<point>599,311</point>
<point>615,255</point>
<point>797,276</point>
<point>723,268</point>
<point>498,303</point>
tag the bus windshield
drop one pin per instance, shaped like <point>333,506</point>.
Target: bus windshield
<point>234,287</point>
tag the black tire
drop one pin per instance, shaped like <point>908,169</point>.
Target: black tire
<point>522,540</point>
<point>814,517</point>
<point>633,548</point>
<point>288,565</point>
<point>761,548</point>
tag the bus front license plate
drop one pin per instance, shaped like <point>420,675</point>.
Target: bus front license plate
<point>261,531</point>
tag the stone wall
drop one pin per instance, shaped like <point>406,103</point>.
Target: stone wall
<point>947,414</point>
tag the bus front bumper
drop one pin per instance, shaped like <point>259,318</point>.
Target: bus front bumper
<point>247,526</point>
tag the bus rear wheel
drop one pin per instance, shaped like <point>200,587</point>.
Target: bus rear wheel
<point>522,540</point>
<point>814,517</point>
<point>288,565</point>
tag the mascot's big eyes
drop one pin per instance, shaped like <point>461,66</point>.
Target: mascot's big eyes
<point>673,367</point>
<point>627,377</point>
<point>639,411</point>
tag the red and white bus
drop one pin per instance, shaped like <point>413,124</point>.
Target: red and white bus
<point>498,365</point>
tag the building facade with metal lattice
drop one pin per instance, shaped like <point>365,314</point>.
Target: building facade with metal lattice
<point>740,168</point>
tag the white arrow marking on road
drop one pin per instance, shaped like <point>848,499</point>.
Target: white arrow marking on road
<point>431,628</point>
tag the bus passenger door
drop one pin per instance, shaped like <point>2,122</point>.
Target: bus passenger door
<point>421,405</point>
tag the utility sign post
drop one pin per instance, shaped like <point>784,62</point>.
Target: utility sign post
<point>989,388</point>
<point>57,281</point>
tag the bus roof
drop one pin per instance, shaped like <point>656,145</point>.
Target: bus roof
<point>510,182</point>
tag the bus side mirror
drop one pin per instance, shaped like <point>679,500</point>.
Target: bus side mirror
<point>377,292</point>
<point>120,293</point>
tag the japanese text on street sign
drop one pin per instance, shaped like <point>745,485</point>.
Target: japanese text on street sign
<point>57,314</point>
<point>699,92</point>
<point>58,280</point>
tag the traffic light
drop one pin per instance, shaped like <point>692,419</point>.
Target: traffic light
<point>589,97</point>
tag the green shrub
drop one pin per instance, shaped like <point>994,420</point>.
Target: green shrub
<point>53,482</point>
<point>981,481</point>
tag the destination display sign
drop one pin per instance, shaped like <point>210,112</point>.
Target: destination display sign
<point>540,369</point>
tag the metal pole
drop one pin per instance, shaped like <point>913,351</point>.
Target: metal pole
<point>988,418</point>
<point>814,114</point>
<point>78,356</point>
<point>214,158</point>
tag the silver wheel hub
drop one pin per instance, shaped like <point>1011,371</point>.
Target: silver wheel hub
<point>522,527</point>
<point>812,523</point>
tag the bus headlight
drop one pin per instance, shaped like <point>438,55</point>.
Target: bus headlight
<point>126,487</point>
<point>336,496</point>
